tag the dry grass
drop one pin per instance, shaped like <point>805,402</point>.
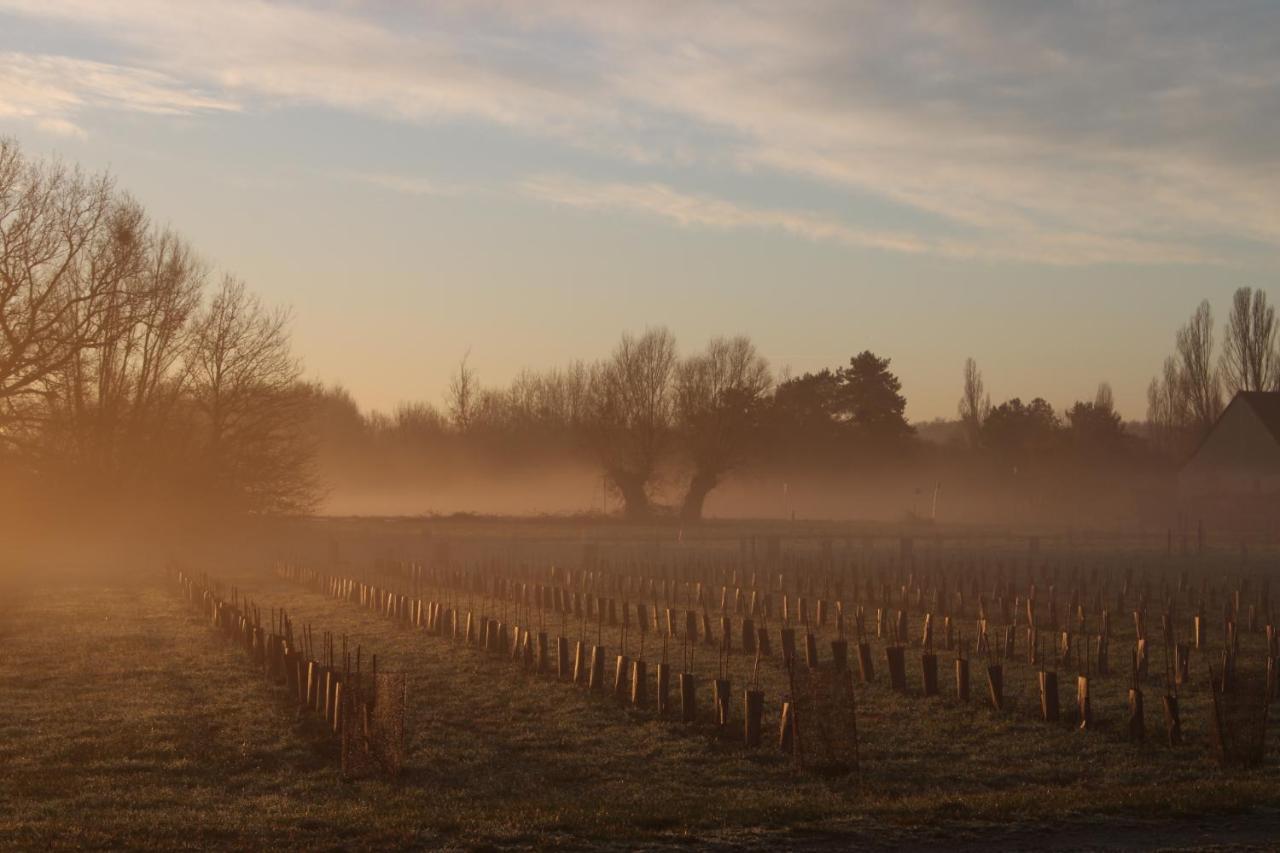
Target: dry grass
<point>128,724</point>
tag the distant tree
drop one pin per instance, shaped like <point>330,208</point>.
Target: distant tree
<point>418,423</point>
<point>1201,388</point>
<point>463,395</point>
<point>1249,359</point>
<point>630,422</point>
<point>869,399</point>
<point>1095,426</point>
<point>1104,398</point>
<point>565,396</point>
<point>1021,431</point>
<point>1186,398</point>
<point>808,403</point>
<point>719,395</point>
<point>975,403</point>
<point>1168,420</point>
<point>336,419</point>
<point>801,423</point>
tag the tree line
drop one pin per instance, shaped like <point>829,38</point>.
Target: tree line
<point>666,430</point>
<point>129,369</point>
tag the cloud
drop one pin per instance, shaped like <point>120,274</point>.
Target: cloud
<point>691,210</point>
<point>277,54</point>
<point>50,91</point>
<point>412,185</point>
<point>60,127</point>
<point>1130,133</point>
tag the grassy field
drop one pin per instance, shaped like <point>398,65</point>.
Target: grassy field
<point>128,723</point>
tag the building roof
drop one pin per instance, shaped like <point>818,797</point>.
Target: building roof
<point>1266,405</point>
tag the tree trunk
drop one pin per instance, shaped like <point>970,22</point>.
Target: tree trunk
<point>634,497</point>
<point>699,487</point>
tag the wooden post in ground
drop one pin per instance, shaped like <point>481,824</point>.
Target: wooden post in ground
<point>1084,707</point>
<point>688,698</point>
<point>639,684</point>
<point>563,665</point>
<point>723,698</point>
<point>595,679</point>
<point>995,685</point>
<point>788,636</point>
<point>753,711</point>
<point>929,673</point>
<point>621,676</point>
<point>664,688</point>
<point>895,658</point>
<point>786,728</point>
<point>840,654</point>
<point>866,665</point>
<point>1049,696</point>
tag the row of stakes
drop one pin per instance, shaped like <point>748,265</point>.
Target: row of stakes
<point>583,664</point>
<point>577,662</point>
<point>936,589</point>
<point>562,600</point>
<point>330,684</point>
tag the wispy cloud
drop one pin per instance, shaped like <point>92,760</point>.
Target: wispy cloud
<point>412,185</point>
<point>685,209</point>
<point>690,210</point>
<point>52,90</point>
<point>1065,132</point>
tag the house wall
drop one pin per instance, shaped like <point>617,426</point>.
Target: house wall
<point>1234,477</point>
<point>1239,457</point>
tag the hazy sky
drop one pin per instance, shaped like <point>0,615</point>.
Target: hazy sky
<point>1048,187</point>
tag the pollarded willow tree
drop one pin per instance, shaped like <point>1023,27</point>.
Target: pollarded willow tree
<point>629,425</point>
<point>719,396</point>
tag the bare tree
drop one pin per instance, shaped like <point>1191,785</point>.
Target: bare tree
<point>1185,400</point>
<point>109,370</point>
<point>112,403</point>
<point>251,405</point>
<point>65,255</point>
<point>464,389</point>
<point>975,404</point>
<point>1104,400</point>
<point>631,414</point>
<point>1249,360</point>
<point>1201,388</point>
<point>718,394</point>
<point>1167,411</point>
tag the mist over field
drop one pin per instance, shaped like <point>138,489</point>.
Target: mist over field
<point>624,425</point>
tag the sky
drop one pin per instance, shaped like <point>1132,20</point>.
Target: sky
<point>1048,187</point>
